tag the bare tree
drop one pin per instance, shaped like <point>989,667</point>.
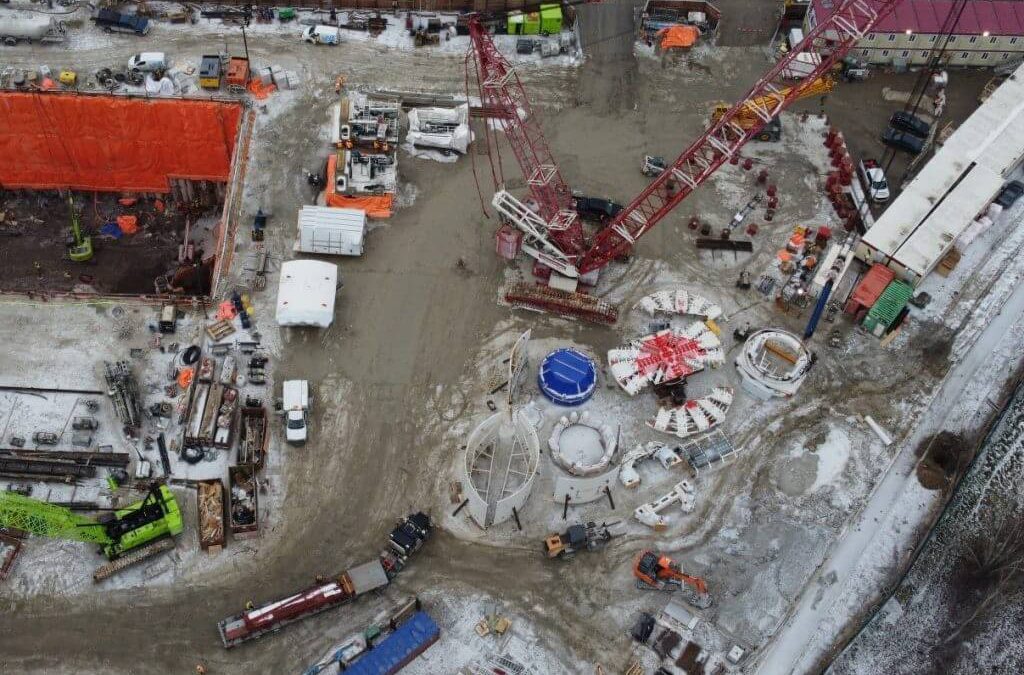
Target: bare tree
<point>996,563</point>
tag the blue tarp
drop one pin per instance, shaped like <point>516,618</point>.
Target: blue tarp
<point>399,648</point>
<point>112,230</point>
<point>567,377</point>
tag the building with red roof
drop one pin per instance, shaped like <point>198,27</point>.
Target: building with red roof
<point>985,33</point>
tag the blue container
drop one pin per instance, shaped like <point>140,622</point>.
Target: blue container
<point>567,377</point>
<point>398,649</point>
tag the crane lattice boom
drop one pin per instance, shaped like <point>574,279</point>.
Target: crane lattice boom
<point>502,92</point>
<point>830,40</point>
<point>48,520</point>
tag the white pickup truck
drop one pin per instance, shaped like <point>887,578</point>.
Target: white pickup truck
<point>297,403</point>
<point>873,178</point>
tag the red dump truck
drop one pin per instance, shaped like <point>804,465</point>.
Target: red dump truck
<point>407,538</point>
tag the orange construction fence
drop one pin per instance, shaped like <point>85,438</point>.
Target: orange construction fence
<point>56,140</point>
<point>375,206</point>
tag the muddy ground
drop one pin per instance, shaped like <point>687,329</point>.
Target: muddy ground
<point>36,226</point>
<point>409,321</point>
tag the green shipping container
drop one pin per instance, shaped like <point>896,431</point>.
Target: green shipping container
<point>887,308</point>
<point>547,22</point>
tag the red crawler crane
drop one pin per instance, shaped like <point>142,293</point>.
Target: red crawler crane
<point>830,40</point>
<point>502,93</point>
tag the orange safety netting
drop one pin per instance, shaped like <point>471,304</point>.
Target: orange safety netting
<point>112,143</point>
<point>375,206</point>
<point>675,37</point>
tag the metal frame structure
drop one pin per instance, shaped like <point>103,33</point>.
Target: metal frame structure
<point>501,90</point>
<point>831,39</point>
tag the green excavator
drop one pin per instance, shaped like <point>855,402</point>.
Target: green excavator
<point>154,518</point>
<point>79,245</point>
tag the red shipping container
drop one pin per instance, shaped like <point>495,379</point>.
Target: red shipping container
<point>870,288</point>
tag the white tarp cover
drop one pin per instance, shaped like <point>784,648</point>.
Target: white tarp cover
<point>305,295</point>
<point>330,230</point>
<point>162,87</point>
<point>457,139</point>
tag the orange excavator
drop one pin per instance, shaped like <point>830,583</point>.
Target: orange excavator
<point>658,572</point>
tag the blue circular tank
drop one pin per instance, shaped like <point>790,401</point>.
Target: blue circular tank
<point>567,377</point>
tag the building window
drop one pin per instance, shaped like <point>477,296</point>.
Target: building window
<point>1013,41</point>
<point>892,37</point>
<point>871,37</point>
<point>864,52</point>
<point>984,56</point>
<point>904,54</point>
<point>931,38</point>
<point>911,38</point>
<point>924,55</point>
<point>992,40</point>
<point>885,52</point>
<point>951,40</point>
<point>1004,56</point>
<point>964,55</point>
<point>973,39</point>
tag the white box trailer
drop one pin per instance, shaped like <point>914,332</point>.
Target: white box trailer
<point>331,231</point>
<point>306,292</point>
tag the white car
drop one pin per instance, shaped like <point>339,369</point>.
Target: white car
<point>873,178</point>
<point>148,62</point>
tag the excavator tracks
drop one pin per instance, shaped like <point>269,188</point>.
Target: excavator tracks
<point>132,558</point>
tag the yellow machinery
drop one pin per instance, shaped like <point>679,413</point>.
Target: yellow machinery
<point>68,78</point>
<point>210,71</point>
<point>748,117</point>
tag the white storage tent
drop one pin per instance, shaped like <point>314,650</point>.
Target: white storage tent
<point>305,295</point>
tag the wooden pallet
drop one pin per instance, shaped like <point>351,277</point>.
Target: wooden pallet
<point>220,330</point>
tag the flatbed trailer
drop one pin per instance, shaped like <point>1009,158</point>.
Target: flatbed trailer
<point>270,617</point>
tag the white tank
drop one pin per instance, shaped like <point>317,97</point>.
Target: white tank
<point>29,28</point>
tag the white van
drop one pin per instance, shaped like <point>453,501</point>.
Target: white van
<point>148,62</point>
<point>322,35</point>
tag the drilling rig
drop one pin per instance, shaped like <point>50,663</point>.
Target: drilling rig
<point>79,245</point>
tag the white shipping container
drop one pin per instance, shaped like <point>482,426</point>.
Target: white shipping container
<point>331,231</point>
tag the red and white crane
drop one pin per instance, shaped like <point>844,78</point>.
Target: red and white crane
<point>826,44</point>
<point>503,94</point>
